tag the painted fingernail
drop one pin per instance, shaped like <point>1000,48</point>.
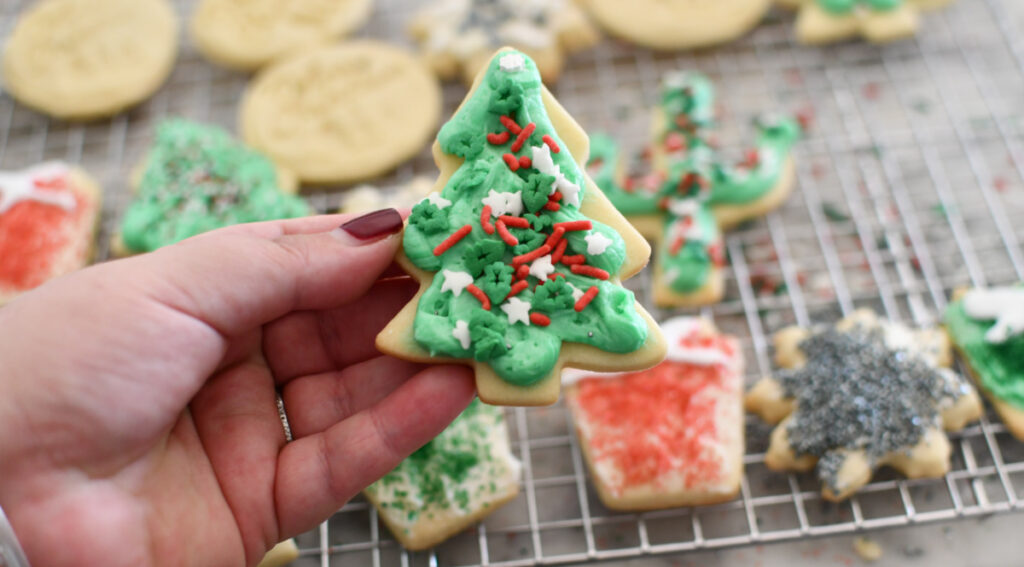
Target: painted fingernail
<point>372,226</point>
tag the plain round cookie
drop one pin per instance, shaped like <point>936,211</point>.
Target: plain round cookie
<point>248,34</point>
<point>677,24</point>
<point>343,113</point>
<point>82,59</point>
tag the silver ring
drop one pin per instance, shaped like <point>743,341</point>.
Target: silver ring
<point>284,419</point>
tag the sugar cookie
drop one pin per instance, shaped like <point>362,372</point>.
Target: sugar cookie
<point>458,37</point>
<point>669,436</point>
<point>860,395</point>
<point>518,251</point>
<point>452,482</point>
<point>987,328</point>
<point>48,214</point>
<point>247,34</point>
<point>878,21</point>
<point>281,554</point>
<point>342,113</point>
<point>82,59</point>
<point>689,193</point>
<point>198,178</point>
<point>677,24</point>
<point>366,198</point>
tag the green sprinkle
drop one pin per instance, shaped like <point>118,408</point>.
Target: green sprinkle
<point>833,212</point>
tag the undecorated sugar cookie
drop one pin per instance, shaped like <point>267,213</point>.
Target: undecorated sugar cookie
<point>687,194</point>
<point>860,395</point>
<point>48,215</point>
<point>519,256</point>
<point>342,113</point>
<point>458,37</point>
<point>677,24</point>
<point>452,482</point>
<point>669,436</point>
<point>987,328</point>
<point>247,34</point>
<point>878,21</point>
<point>82,59</point>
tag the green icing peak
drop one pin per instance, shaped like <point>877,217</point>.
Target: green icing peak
<point>199,178</point>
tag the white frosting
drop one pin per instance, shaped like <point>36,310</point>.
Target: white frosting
<point>683,207</point>
<point>1004,304</point>
<point>504,203</point>
<point>544,163</point>
<point>517,311</point>
<point>597,243</point>
<point>461,332</point>
<point>455,281</point>
<point>577,293</point>
<point>512,62</point>
<point>18,186</point>
<point>438,201</point>
<point>541,268</point>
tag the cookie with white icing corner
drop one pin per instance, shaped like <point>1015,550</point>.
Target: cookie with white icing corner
<point>342,113</point>
<point>87,59</point>
<point>281,554</point>
<point>458,37</point>
<point>519,255</point>
<point>987,329</point>
<point>454,481</point>
<point>877,21</point>
<point>48,218</point>
<point>677,24</point>
<point>248,34</point>
<point>859,395</point>
<point>366,198</point>
<point>668,436</point>
<point>685,193</point>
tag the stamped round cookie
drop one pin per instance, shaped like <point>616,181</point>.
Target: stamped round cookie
<point>247,34</point>
<point>342,113</point>
<point>82,59</point>
<point>677,24</point>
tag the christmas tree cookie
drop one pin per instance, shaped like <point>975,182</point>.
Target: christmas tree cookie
<point>987,328</point>
<point>48,215</point>
<point>518,254</point>
<point>669,436</point>
<point>861,395</point>
<point>197,178</point>
<point>689,195</point>
<point>452,482</point>
<point>878,21</point>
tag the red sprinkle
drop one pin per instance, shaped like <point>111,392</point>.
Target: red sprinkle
<point>555,275</point>
<point>522,272</point>
<point>556,256</point>
<point>514,222</point>
<point>591,271</point>
<point>675,142</point>
<point>525,162</point>
<point>570,260</point>
<point>540,319</point>
<point>556,196</point>
<point>677,244</point>
<point>586,298</point>
<point>498,139</point>
<point>717,254</point>
<point>517,287</point>
<point>485,220</point>
<point>552,206</point>
<point>570,226</point>
<point>551,143</point>
<point>511,161</point>
<point>511,125</point>
<point>531,256</point>
<point>452,240</point>
<point>480,295</point>
<point>552,240</point>
<point>523,136</point>
<point>506,235</point>
<point>751,160</point>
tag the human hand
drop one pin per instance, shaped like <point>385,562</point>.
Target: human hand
<point>138,423</point>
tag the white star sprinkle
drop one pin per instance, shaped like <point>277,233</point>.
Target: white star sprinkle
<point>597,243</point>
<point>438,201</point>
<point>504,203</point>
<point>577,293</point>
<point>20,186</point>
<point>512,62</point>
<point>517,310</point>
<point>461,332</point>
<point>1004,304</point>
<point>544,163</point>
<point>541,268</point>
<point>455,281</point>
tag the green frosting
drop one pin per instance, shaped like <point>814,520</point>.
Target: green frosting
<point>198,178</point>
<point>696,180</point>
<point>998,366</point>
<point>847,6</point>
<point>520,351</point>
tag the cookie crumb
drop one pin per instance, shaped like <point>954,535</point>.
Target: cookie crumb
<point>868,549</point>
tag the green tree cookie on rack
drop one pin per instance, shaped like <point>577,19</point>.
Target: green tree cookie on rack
<point>690,194</point>
<point>518,254</point>
<point>878,21</point>
<point>198,178</point>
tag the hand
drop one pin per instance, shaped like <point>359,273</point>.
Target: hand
<point>138,423</point>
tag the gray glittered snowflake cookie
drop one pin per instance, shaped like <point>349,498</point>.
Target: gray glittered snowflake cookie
<point>860,395</point>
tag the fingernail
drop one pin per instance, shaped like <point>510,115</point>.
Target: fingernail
<point>371,227</point>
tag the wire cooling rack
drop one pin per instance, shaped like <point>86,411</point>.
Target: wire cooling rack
<point>911,183</point>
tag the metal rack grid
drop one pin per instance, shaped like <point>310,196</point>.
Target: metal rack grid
<point>911,183</point>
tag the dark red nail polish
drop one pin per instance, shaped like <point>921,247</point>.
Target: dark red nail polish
<point>374,226</point>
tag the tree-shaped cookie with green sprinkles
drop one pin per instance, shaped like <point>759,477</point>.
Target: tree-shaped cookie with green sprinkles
<point>519,255</point>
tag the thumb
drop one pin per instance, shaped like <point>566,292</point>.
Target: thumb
<point>235,280</point>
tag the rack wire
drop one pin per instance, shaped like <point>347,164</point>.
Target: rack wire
<point>910,184</point>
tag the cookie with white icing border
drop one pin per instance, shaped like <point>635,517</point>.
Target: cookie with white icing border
<point>668,436</point>
<point>452,482</point>
<point>686,194</point>
<point>877,21</point>
<point>987,329</point>
<point>859,395</point>
<point>458,37</point>
<point>518,254</point>
<point>677,24</point>
<point>48,216</point>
